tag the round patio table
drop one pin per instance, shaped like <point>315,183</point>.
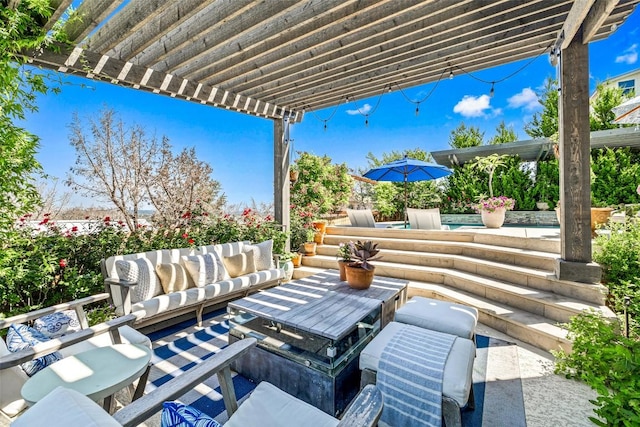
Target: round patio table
<point>97,373</point>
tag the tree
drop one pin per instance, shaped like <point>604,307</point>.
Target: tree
<point>180,184</point>
<point>465,137</point>
<point>503,135</point>
<point>122,165</point>
<point>545,124</point>
<point>601,115</point>
<point>113,163</point>
<point>21,24</point>
<point>489,165</point>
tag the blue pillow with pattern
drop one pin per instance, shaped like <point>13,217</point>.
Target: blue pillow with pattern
<point>20,337</point>
<point>176,414</point>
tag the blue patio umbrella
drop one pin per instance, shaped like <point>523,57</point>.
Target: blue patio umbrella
<point>407,170</point>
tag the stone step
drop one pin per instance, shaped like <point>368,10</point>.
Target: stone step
<point>533,329</point>
<point>514,256</point>
<point>543,280</point>
<point>539,243</point>
<point>541,302</point>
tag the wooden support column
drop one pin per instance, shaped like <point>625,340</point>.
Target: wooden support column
<point>575,169</point>
<point>281,196</point>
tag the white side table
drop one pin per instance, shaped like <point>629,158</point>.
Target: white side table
<point>97,373</point>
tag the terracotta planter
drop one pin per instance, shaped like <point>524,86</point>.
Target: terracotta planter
<point>359,278</point>
<point>309,248</point>
<point>318,238</point>
<point>342,267</point>
<point>599,216</point>
<point>494,219</point>
<point>320,226</point>
<point>296,260</point>
<point>293,176</point>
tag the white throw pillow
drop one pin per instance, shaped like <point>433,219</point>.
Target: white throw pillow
<point>204,269</point>
<point>141,271</point>
<point>57,324</point>
<point>262,254</point>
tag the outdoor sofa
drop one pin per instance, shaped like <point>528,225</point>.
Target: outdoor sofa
<point>166,283</point>
<point>61,329</point>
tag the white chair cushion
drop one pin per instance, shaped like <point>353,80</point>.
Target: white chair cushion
<point>458,369</point>
<point>64,407</point>
<point>441,316</point>
<point>361,218</point>
<point>142,271</point>
<point>268,406</point>
<point>424,219</point>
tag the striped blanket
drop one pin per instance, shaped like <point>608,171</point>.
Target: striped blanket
<point>410,377</point>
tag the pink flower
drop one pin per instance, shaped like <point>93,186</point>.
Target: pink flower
<point>185,236</point>
<point>74,229</point>
<point>191,241</point>
<point>63,263</point>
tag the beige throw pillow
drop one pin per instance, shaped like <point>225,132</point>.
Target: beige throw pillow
<point>240,264</point>
<point>262,254</point>
<point>174,278</point>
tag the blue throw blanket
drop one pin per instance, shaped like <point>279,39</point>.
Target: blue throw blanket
<point>410,377</point>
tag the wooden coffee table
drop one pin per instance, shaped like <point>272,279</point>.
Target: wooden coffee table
<point>97,373</point>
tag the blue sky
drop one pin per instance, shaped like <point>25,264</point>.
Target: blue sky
<point>240,147</point>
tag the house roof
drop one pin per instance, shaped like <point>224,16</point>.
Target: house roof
<point>284,57</point>
<point>536,149</point>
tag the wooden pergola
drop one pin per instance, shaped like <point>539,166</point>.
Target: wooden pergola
<point>277,59</point>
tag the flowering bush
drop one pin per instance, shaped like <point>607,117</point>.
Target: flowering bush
<point>490,204</point>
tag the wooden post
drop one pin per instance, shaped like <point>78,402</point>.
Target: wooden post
<point>281,195</point>
<point>575,168</point>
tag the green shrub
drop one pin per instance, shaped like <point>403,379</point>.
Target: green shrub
<point>39,269</point>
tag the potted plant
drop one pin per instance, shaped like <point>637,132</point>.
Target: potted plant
<point>310,244</point>
<point>285,263</point>
<point>296,259</point>
<point>492,209</point>
<point>344,258</point>
<point>320,227</point>
<point>359,271</point>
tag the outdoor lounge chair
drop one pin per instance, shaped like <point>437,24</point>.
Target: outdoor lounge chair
<point>266,406</point>
<point>361,218</point>
<point>425,219</point>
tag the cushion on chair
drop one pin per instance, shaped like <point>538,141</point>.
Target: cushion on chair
<point>64,407</point>
<point>21,337</point>
<point>204,269</point>
<point>174,277</point>
<point>176,414</point>
<point>424,219</point>
<point>361,218</point>
<point>441,316</point>
<point>458,369</point>
<point>270,406</point>
<point>262,254</point>
<point>240,264</point>
<point>57,324</point>
<point>141,271</point>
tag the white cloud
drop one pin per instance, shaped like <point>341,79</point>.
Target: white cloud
<point>362,110</point>
<point>472,106</point>
<point>629,56</point>
<point>526,99</point>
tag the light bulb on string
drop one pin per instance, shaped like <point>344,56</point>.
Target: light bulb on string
<point>492,91</point>
<point>417,109</point>
<point>325,125</point>
<point>366,122</point>
<point>451,75</point>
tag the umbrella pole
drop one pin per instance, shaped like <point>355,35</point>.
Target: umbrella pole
<point>405,201</point>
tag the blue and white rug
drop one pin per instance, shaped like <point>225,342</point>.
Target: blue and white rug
<point>180,347</point>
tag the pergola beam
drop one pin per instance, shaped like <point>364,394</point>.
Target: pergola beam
<point>88,16</point>
<point>95,65</point>
<point>574,21</point>
<point>598,14</point>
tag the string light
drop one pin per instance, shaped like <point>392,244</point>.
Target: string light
<point>417,103</point>
<point>492,91</point>
<point>451,75</point>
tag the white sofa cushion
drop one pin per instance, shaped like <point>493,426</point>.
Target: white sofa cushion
<point>458,369</point>
<point>204,269</point>
<point>167,302</point>
<point>262,254</point>
<point>73,409</point>
<point>143,272</point>
<point>271,407</point>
